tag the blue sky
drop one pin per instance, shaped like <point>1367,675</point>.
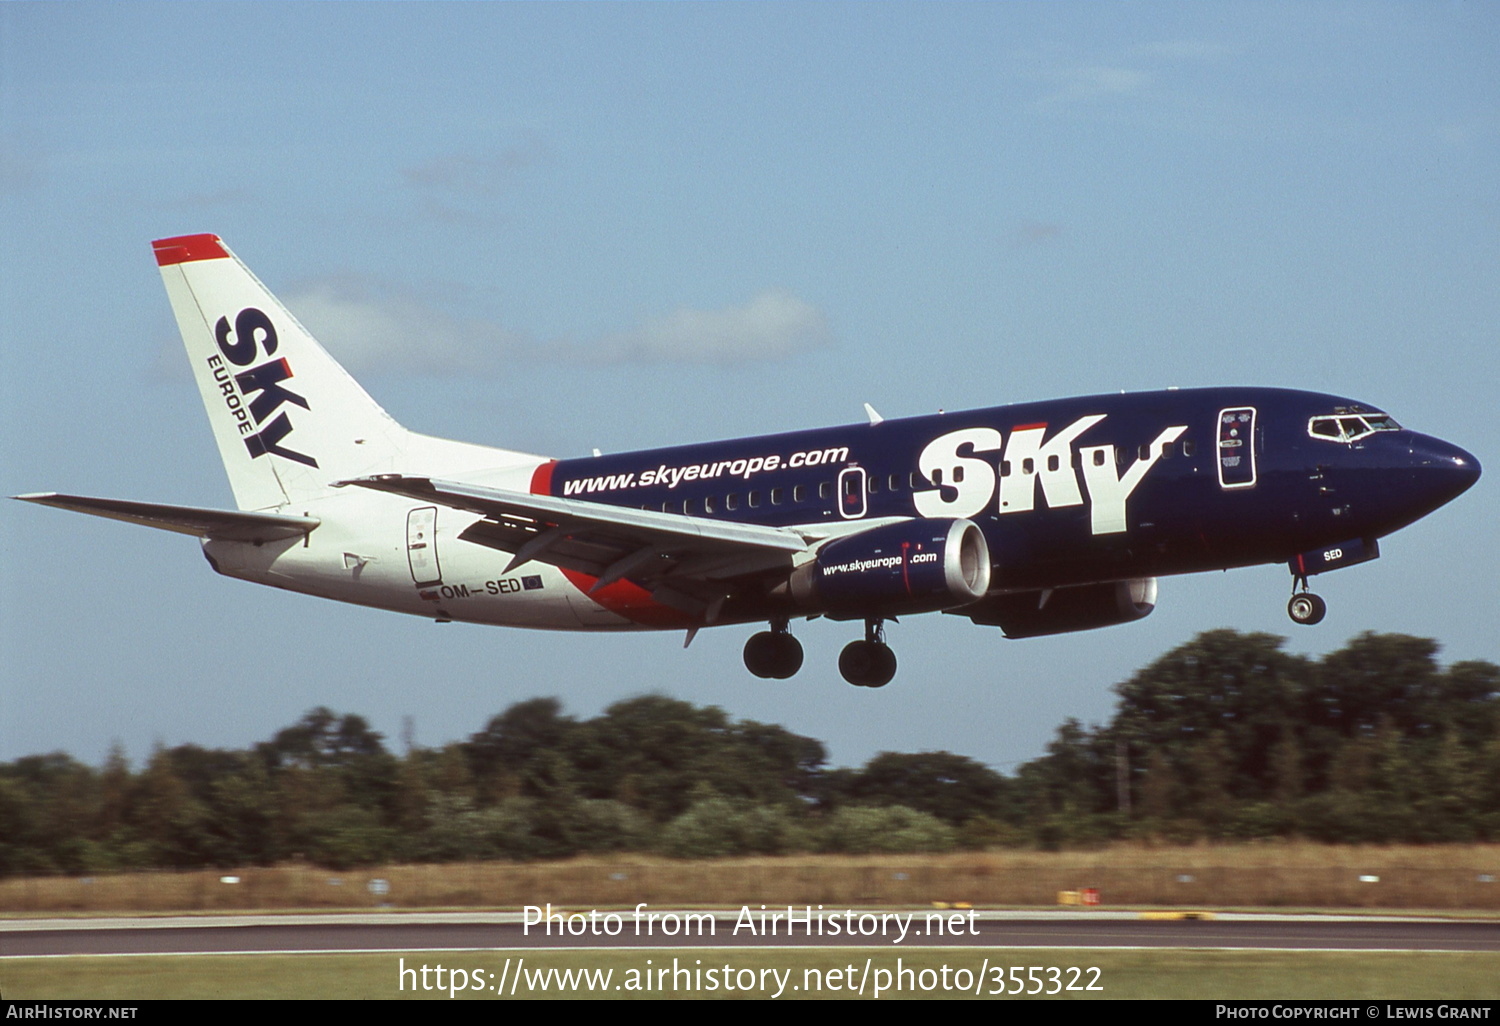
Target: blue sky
<point>551,227</point>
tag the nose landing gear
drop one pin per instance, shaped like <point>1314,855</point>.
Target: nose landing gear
<point>774,653</point>
<point>869,663</point>
<point>1305,607</point>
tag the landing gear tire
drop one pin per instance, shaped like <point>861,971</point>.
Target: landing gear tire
<point>1306,609</point>
<point>867,664</point>
<point>773,654</point>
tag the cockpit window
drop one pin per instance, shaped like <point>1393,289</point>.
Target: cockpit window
<point>1350,427</point>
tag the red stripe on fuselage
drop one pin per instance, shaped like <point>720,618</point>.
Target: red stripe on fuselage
<point>623,598</point>
<point>186,248</point>
<point>541,478</point>
<point>1029,427</point>
<point>630,600</point>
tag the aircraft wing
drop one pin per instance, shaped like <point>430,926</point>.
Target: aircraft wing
<point>228,525</point>
<point>689,563</point>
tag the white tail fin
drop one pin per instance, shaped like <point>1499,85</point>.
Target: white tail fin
<point>288,419</point>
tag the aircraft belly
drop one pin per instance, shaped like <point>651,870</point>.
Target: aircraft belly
<point>476,588</point>
<point>590,614</point>
<point>473,586</point>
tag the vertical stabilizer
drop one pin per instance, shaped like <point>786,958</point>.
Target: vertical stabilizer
<point>288,419</point>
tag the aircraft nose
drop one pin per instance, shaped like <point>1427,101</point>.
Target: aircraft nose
<point>1445,470</point>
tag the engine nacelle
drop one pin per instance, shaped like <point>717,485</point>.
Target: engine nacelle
<point>1030,614</point>
<point>916,566</point>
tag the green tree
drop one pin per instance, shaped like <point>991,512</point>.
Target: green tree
<point>954,788</point>
<point>651,752</point>
<point>1238,687</point>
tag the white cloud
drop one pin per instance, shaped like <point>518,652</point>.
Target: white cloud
<point>369,325</point>
<point>771,326</point>
<point>1082,84</point>
<point>1145,71</point>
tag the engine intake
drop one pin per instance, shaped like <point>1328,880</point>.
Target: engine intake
<point>916,566</point>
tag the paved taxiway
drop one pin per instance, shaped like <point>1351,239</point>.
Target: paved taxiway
<point>504,931</point>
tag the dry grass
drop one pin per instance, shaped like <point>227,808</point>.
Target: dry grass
<point>1276,875</point>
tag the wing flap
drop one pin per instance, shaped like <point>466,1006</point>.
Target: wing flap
<point>222,524</point>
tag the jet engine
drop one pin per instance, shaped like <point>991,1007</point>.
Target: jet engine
<point>915,566</point>
<point>1030,614</point>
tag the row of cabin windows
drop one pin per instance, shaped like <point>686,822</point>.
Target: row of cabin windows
<point>875,483</point>
<point>1054,463</point>
<point>753,499</point>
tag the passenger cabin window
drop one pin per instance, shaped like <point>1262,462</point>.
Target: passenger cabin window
<point>799,493</point>
<point>825,489</point>
<point>778,496</point>
<point>754,499</point>
<point>732,500</point>
<point>708,504</point>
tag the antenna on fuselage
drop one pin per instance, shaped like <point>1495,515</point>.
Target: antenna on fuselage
<point>875,418</point>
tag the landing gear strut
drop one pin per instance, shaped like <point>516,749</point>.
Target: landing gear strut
<point>773,653</point>
<point>869,663</point>
<point>1305,607</point>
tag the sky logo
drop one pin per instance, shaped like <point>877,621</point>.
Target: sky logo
<point>241,346</point>
<point>965,482</point>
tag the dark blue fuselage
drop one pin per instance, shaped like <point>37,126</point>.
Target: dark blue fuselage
<point>1072,491</point>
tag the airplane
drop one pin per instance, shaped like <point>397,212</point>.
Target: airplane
<point>1038,518</point>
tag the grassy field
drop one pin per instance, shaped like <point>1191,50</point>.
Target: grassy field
<point>1271,875</point>
<point>821,973</point>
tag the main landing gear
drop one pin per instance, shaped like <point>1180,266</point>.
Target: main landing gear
<point>1305,607</point>
<point>869,663</point>
<point>866,664</point>
<point>773,653</point>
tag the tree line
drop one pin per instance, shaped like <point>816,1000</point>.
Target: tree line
<point>1225,737</point>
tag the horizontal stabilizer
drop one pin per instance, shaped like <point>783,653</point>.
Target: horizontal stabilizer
<point>224,525</point>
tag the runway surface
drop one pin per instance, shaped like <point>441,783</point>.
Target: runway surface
<point>405,932</point>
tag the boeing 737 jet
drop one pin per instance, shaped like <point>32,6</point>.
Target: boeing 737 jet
<point>1036,518</point>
